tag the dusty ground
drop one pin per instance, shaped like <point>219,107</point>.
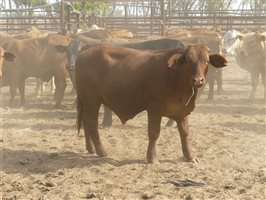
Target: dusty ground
<point>43,158</point>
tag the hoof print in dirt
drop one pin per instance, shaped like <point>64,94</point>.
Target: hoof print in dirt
<point>50,184</point>
<point>91,196</point>
<point>24,161</point>
<point>189,197</point>
<point>147,195</point>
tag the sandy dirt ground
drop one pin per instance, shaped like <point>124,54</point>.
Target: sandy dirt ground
<point>42,157</point>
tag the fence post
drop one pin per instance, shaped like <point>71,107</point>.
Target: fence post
<point>162,17</point>
<point>125,22</point>
<point>152,13</point>
<point>62,24</point>
<point>68,17</point>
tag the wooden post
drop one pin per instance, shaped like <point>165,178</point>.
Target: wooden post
<point>162,17</point>
<point>68,17</point>
<point>126,16</point>
<point>152,13</point>
<point>62,17</point>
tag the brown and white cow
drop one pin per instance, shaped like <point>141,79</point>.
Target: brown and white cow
<point>36,58</point>
<point>128,81</point>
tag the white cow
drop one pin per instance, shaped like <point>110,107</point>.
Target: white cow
<point>249,51</point>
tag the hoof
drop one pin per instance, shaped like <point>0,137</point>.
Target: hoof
<point>22,104</point>
<point>106,124</point>
<point>91,152</point>
<point>210,99</point>
<point>154,162</point>
<point>220,92</point>
<point>59,107</point>
<point>102,153</point>
<point>193,160</point>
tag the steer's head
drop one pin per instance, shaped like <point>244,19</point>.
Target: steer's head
<point>231,39</point>
<point>253,43</point>
<point>71,50</point>
<point>193,63</point>
<point>5,55</point>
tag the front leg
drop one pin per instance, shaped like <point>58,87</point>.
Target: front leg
<point>211,89</point>
<point>60,86</point>
<point>255,82</point>
<point>21,88</point>
<point>183,129</point>
<point>13,89</point>
<point>219,80</point>
<point>154,123</point>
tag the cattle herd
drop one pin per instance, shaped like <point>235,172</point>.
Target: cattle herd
<point>161,75</point>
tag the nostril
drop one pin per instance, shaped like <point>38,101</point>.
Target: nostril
<point>198,81</point>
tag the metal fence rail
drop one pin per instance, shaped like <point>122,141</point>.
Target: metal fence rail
<point>152,22</point>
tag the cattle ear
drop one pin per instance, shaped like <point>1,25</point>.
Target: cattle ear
<point>9,56</point>
<point>217,60</point>
<point>174,60</point>
<point>263,37</point>
<point>241,37</point>
<point>60,48</point>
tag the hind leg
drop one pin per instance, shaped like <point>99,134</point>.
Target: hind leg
<point>211,89</point>
<point>39,87</point>
<point>254,82</point>
<point>263,81</point>
<point>219,81</point>
<point>21,88</point>
<point>107,117</point>
<point>13,88</point>
<point>90,123</point>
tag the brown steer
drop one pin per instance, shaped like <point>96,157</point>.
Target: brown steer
<point>35,57</point>
<point>165,83</point>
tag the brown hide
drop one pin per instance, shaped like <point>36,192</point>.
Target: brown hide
<point>84,39</point>
<point>96,34</point>
<point>30,33</point>
<point>130,81</point>
<point>36,58</point>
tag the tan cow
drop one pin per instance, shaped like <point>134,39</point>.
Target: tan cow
<point>36,58</point>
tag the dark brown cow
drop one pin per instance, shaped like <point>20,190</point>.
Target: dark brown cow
<point>165,83</point>
<point>36,58</point>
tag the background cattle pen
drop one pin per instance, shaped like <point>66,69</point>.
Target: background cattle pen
<point>43,157</point>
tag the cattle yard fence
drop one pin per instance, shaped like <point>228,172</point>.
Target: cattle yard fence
<point>153,22</point>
